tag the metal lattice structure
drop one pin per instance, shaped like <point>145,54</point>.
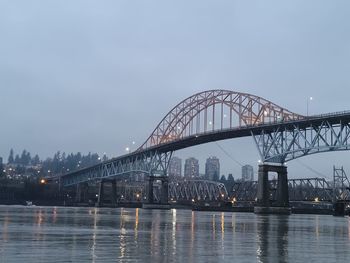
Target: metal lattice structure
<point>151,162</point>
<point>280,135</point>
<point>216,110</point>
<point>197,190</point>
<point>130,191</point>
<point>316,134</point>
<point>308,189</point>
<point>341,184</point>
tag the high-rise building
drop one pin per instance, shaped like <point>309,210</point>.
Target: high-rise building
<point>212,169</point>
<point>247,173</point>
<point>175,167</point>
<point>191,168</point>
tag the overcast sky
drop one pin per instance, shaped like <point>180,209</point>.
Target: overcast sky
<point>97,75</point>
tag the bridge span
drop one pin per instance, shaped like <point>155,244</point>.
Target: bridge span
<point>279,134</point>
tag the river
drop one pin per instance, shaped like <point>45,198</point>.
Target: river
<point>65,234</point>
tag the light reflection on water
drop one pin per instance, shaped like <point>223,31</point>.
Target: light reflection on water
<point>59,234</point>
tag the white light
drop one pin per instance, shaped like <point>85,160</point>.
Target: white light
<point>210,123</point>
<point>133,142</point>
<point>259,161</point>
<point>127,149</point>
<point>225,115</point>
<point>178,127</point>
<point>311,98</point>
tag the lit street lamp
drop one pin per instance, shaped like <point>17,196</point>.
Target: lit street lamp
<point>307,105</point>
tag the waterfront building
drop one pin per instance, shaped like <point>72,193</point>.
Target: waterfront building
<point>212,169</point>
<point>247,173</point>
<point>191,168</point>
<point>175,167</point>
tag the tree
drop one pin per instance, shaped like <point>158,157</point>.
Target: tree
<point>11,159</point>
<point>1,168</point>
<point>17,159</point>
<point>223,179</point>
<point>25,158</point>
<point>230,178</point>
<point>36,160</point>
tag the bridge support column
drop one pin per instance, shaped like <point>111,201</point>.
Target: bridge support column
<point>100,194</point>
<point>114,193</point>
<point>164,196</point>
<point>282,188</point>
<point>263,195</point>
<point>78,194</point>
<point>150,190</point>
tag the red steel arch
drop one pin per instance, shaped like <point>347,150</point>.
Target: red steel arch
<point>216,110</point>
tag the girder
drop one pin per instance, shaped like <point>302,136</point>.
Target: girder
<point>150,163</point>
<point>307,189</point>
<point>283,143</point>
<point>280,135</point>
<point>197,190</point>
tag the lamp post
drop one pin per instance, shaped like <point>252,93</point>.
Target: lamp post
<point>307,105</point>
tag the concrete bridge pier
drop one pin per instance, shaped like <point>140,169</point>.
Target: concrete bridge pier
<point>114,193</point>
<point>150,198</point>
<point>264,205</point>
<point>81,193</point>
<point>100,197</point>
<point>163,202</point>
<point>102,193</point>
<point>164,190</point>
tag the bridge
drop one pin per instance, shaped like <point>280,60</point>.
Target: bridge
<point>279,134</point>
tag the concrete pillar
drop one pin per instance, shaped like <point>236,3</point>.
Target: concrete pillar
<point>114,193</point>
<point>78,194</point>
<point>164,196</point>
<point>100,194</point>
<point>150,189</point>
<point>263,194</point>
<point>282,187</point>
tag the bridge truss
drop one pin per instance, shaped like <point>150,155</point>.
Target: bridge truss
<point>197,191</point>
<point>308,189</point>
<point>280,135</point>
<point>316,134</point>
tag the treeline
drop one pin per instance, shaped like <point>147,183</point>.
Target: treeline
<point>59,163</point>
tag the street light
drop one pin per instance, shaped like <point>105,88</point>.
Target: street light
<point>307,105</point>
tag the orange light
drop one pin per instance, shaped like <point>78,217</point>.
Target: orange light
<point>42,181</point>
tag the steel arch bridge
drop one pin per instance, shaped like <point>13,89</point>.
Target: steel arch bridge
<point>280,135</point>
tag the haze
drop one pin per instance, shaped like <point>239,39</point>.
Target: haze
<point>93,76</point>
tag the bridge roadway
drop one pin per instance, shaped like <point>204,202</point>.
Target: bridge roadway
<point>280,136</point>
<point>202,138</point>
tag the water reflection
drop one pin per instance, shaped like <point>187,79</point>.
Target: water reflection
<point>94,233</point>
<point>138,235</point>
<point>272,233</point>
<point>136,223</point>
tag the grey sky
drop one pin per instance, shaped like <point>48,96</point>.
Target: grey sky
<point>96,75</point>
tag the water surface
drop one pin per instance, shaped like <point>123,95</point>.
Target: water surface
<point>61,234</point>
